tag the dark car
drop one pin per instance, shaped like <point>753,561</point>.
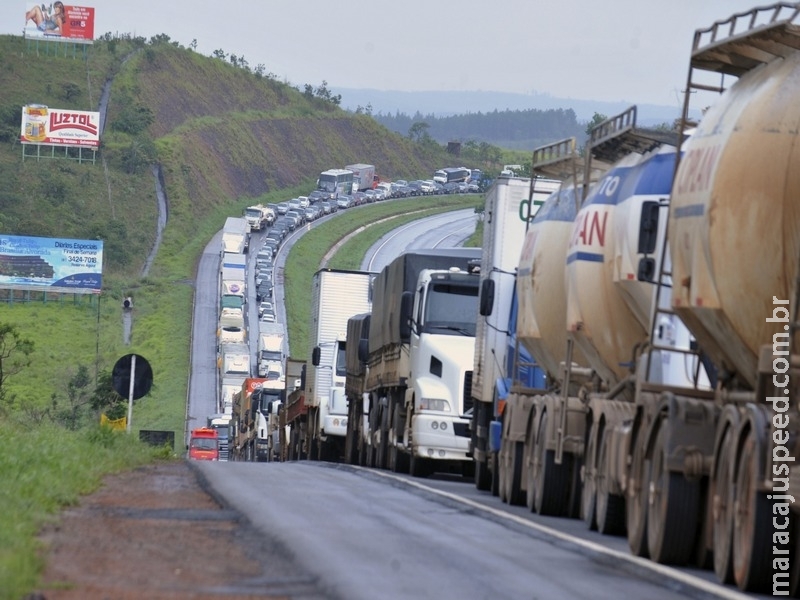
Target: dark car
<point>317,196</point>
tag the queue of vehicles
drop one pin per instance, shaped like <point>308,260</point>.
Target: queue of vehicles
<point>636,362</point>
<point>624,354</point>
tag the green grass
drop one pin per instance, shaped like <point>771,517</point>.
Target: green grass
<point>43,470</point>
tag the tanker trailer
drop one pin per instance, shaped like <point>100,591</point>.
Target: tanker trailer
<point>608,307</point>
<point>738,181</point>
<point>551,437</point>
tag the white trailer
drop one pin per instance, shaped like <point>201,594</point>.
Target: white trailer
<point>363,176</point>
<point>337,295</point>
<point>235,236</point>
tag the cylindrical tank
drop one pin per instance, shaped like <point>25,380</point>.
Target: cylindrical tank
<point>735,218</point>
<point>541,284</point>
<point>608,309</point>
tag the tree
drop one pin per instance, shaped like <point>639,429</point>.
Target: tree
<point>418,131</point>
<point>15,355</point>
<point>597,118</point>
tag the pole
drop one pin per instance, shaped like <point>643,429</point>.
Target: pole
<point>130,392</point>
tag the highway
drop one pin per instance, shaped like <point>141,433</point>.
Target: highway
<point>364,533</point>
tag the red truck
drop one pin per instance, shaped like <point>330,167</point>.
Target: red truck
<point>204,444</point>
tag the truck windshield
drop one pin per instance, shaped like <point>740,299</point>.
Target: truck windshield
<point>341,366</point>
<point>204,443</point>
<point>451,307</point>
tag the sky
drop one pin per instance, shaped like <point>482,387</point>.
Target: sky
<point>618,50</point>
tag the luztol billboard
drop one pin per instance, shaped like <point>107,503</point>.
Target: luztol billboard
<point>59,127</point>
<point>55,264</point>
<point>60,22</point>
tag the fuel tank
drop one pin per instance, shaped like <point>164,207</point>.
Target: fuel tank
<point>734,229</point>
<point>541,284</point>
<point>608,309</point>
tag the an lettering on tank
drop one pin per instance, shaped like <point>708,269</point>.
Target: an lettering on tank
<point>589,229</point>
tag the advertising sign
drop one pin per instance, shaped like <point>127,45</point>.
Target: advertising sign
<point>59,127</point>
<point>51,264</point>
<point>60,22</point>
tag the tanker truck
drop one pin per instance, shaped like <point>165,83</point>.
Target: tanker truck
<point>510,204</point>
<point>421,352</point>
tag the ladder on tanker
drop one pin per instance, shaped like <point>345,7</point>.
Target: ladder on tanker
<point>731,48</point>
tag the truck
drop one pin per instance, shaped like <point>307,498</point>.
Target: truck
<point>355,382</point>
<point>295,410</point>
<point>221,423</point>
<point>421,350</point>
<point>267,403</point>
<point>271,347</point>
<point>233,273</point>
<point>234,360</point>
<point>203,444</point>
<point>336,295</point>
<point>510,205</point>
<point>235,236</point>
<point>243,425</point>
<point>363,176</point>
<point>228,386</point>
<point>259,217</point>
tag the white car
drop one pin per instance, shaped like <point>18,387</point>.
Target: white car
<point>265,307</point>
<point>267,317</point>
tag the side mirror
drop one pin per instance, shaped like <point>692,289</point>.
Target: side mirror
<point>647,269</point>
<point>487,297</point>
<point>316,355</point>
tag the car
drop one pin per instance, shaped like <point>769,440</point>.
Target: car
<point>299,217</point>
<point>473,187</point>
<point>295,204</point>
<point>371,195</point>
<point>451,187</point>
<point>267,317</point>
<point>317,196</point>
<point>344,201</point>
<point>329,206</point>
<point>265,306</point>
<point>282,207</point>
<point>415,187</point>
<point>360,198</point>
<point>304,201</point>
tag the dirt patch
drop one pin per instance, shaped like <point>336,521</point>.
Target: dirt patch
<point>156,533</point>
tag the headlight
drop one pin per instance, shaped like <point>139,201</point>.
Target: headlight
<point>434,404</point>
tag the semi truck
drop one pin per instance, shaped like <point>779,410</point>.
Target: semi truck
<point>421,350</point>
<point>243,425</point>
<point>221,423</point>
<point>259,217</point>
<point>363,176</point>
<point>295,410</point>
<point>234,360</point>
<point>355,388</point>
<point>271,347</point>
<point>336,295</point>
<point>235,236</point>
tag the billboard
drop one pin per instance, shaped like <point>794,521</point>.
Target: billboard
<point>60,22</point>
<point>59,127</point>
<point>51,264</point>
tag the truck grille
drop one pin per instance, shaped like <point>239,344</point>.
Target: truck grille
<point>223,450</point>
<point>467,392</point>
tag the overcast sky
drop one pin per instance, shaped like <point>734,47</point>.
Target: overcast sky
<point>617,50</point>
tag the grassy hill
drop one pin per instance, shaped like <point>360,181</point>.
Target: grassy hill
<point>222,136</point>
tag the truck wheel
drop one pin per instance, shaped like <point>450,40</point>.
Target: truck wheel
<point>636,506</point>
<point>752,534</point>
<point>420,467</point>
<point>514,475</point>
<point>495,489</point>
<point>551,481</point>
<point>483,476</point>
<point>674,503</point>
<point>588,490</point>
<point>720,491</point>
<point>609,508</point>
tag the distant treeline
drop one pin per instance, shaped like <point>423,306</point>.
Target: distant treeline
<point>512,129</point>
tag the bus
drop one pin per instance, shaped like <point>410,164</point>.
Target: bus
<point>451,174</point>
<point>336,182</point>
